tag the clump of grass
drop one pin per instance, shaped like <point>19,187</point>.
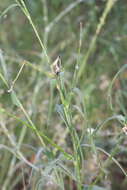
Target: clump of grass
<point>53,163</point>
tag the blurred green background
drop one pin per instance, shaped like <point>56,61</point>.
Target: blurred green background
<point>61,25</point>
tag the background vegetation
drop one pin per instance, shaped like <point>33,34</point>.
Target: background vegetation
<point>64,130</point>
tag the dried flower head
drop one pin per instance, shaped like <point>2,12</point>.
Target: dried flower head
<point>56,66</point>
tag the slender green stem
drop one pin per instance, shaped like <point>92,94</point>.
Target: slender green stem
<point>26,12</point>
<point>109,5</point>
<point>72,130</point>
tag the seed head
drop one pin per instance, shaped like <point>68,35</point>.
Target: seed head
<point>56,66</point>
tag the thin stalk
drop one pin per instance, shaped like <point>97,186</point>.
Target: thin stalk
<point>73,133</point>
<point>50,104</point>
<point>109,5</point>
<point>68,156</point>
<point>109,156</point>
<point>16,78</point>
<point>13,143</point>
<point>26,12</point>
<point>3,65</point>
<point>13,161</point>
<point>106,163</point>
<point>45,13</point>
<point>32,124</point>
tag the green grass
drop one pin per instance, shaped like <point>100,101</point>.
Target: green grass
<point>63,95</point>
